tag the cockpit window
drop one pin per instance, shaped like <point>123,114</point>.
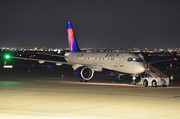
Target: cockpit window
<point>135,59</point>
<point>129,59</point>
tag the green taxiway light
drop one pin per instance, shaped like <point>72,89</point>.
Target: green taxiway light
<point>7,56</point>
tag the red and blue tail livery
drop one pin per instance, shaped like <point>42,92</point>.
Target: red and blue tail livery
<point>73,46</point>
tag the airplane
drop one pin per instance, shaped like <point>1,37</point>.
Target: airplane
<point>86,63</point>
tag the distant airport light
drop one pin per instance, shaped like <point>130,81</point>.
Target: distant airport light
<point>170,65</point>
<point>8,66</point>
<point>175,58</point>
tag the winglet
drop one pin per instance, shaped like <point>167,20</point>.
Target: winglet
<point>73,46</point>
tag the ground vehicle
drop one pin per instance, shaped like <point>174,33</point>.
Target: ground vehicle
<point>151,79</point>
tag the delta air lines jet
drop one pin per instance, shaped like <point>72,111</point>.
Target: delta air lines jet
<point>85,63</point>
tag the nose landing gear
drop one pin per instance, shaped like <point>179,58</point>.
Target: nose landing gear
<point>134,76</point>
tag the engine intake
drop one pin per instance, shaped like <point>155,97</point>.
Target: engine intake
<point>84,73</point>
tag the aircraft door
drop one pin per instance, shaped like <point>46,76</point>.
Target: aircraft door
<point>121,61</point>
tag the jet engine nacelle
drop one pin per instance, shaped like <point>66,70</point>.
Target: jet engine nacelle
<point>84,73</point>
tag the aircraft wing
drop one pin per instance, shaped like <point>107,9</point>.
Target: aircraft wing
<point>51,54</point>
<point>42,61</point>
<point>75,65</point>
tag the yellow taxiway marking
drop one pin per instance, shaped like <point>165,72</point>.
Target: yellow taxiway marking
<point>47,80</point>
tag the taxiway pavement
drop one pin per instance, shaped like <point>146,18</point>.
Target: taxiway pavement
<point>68,99</point>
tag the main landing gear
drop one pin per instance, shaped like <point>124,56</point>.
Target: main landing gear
<point>119,78</point>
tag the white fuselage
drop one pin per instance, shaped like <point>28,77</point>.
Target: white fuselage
<point>121,62</point>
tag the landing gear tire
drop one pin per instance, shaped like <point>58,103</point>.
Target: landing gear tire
<point>154,83</point>
<point>134,79</point>
<point>145,83</point>
<point>133,83</point>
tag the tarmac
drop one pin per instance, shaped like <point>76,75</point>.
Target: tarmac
<point>53,98</point>
<point>31,92</point>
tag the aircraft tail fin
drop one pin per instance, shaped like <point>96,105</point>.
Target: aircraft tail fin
<point>73,46</point>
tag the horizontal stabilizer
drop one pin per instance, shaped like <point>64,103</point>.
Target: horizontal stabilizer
<point>51,54</point>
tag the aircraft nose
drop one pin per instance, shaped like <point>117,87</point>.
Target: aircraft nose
<point>140,68</point>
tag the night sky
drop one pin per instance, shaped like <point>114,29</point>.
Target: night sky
<point>97,23</point>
